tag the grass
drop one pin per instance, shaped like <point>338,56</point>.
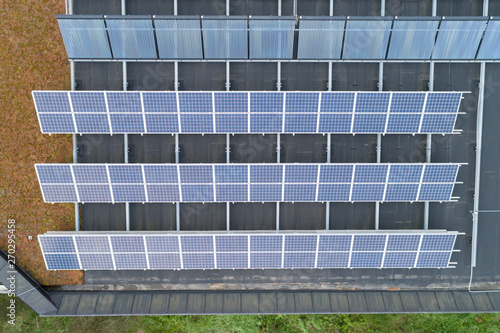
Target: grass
<point>33,58</point>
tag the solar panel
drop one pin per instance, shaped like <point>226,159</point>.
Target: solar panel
<point>246,182</point>
<point>412,39</point>
<point>490,47</point>
<point>366,38</point>
<point>84,38</point>
<point>458,39</point>
<point>320,38</point>
<point>178,37</point>
<point>271,38</point>
<point>247,112</point>
<point>132,37</point>
<point>225,38</point>
<point>246,250</point>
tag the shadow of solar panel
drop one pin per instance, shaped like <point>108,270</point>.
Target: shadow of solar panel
<point>131,38</point>
<point>84,38</point>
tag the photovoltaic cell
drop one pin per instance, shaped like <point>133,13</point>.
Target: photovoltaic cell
<point>236,250</point>
<point>320,39</point>
<point>458,39</point>
<point>412,39</point>
<point>225,39</point>
<point>490,46</point>
<point>131,38</point>
<point>271,39</point>
<point>85,38</point>
<point>178,38</point>
<point>366,39</point>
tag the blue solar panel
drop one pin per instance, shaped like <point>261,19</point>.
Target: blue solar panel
<point>401,192</point>
<point>366,259</point>
<point>227,193</point>
<point>266,102</point>
<point>124,102</point>
<point>301,123</point>
<point>373,102</point>
<point>199,102</point>
<point>266,174</point>
<point>131,38</point>
<point>51,101</point>
<point>231,123</point>
<point>403,123</point>
<point>438,123</point>
<point>57,123</point>
<point>334,102</point>
<point>320,39</point>
<point>197,193</point>
<point>129,193</point>
<point>161,174</point>
<point>302,102</point>
<point>271,39</point>
<point>441,173</point>
<point>54,174</point>
<point>433,259</point>
<point>335,123</point>
<point>232,260</point>
<point>490,47</point>
<point>231,102</point>
<point>196,123</point>
<point>127,123</point>
<point>458,39</point>
<point>299,260</point>
<point>62,261</point>
<point>59,193</point>
<point>163,193</point>
<point>333,260</point>
<point>162,123</point>
<point>94,193</point>
<point>196,174</point>
<point>197,244</point>
<point>92,244</point>
<point>437,243</point>
<point>301,173</point>
<point>366,39</point>
<point>164,261</point>
<point>231,174</point>
<point>225,39</point>
<point>164,102</point>
<point>265,260</point>
<point>408,102</point>
<point>265,192</point>
<point>400,259</point>
<point>370,173</point>
<point>178,39</point>
<point>266,123</point>
<point>85,38</point>
<point>334,192</point>
<point>435,192</point>
<point>231,250</point>
<point>442,102</point>
<point>89,102</point>
<point>90,174</point>
<point>92,123</point>
<point>369,123</point>
<point>368,243</point>
<point>126,174</point>
<point>412,39</point>
<point>405,173</point>
<point>300,192</point>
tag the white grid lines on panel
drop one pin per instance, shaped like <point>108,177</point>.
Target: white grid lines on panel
<point>248,186</point>
<point>388,111</point>
<point>319,113</point>
<point>213,112</point>
<point>248,251</point>
<point>282,251</point>
<point>110,186</point>
<point>316,255</point>
<point>144,181</point>
<point>72,113</point>
<point>179,184</point>
<point>112,253</point>
<point>77,252</point>
<point>74,182</point>
<point>352,182</point>
<point>386,182</point>
<point>213,185</point>
<point>423,112</point>
<point>350,252</point>
<point>146,249</point>
<point>215,252</point>
<point>248,112</point>
<point>385,250</point>
<point>178,111</point>
<point>420,183</point>
<point>418,250</point>
<point>143,114</point>
<point>353,111</point>
<point>283,183</point>
<point>317,184</point>
<point>180,251</point>
<point>283,114</point>
<point>107,113</point>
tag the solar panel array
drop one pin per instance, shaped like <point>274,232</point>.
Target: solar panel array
<point>237,37</point>
<point>246,250</point>
<point>246,182</point>
<point>246,112</point>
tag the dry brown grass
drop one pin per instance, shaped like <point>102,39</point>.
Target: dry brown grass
<point>32,57</point>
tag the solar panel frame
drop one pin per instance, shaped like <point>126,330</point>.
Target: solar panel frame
<point>490,48</point>
<point>247,112</point>
<point>245,250</point>
<point>320,37</point>
<point>131,36</point>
